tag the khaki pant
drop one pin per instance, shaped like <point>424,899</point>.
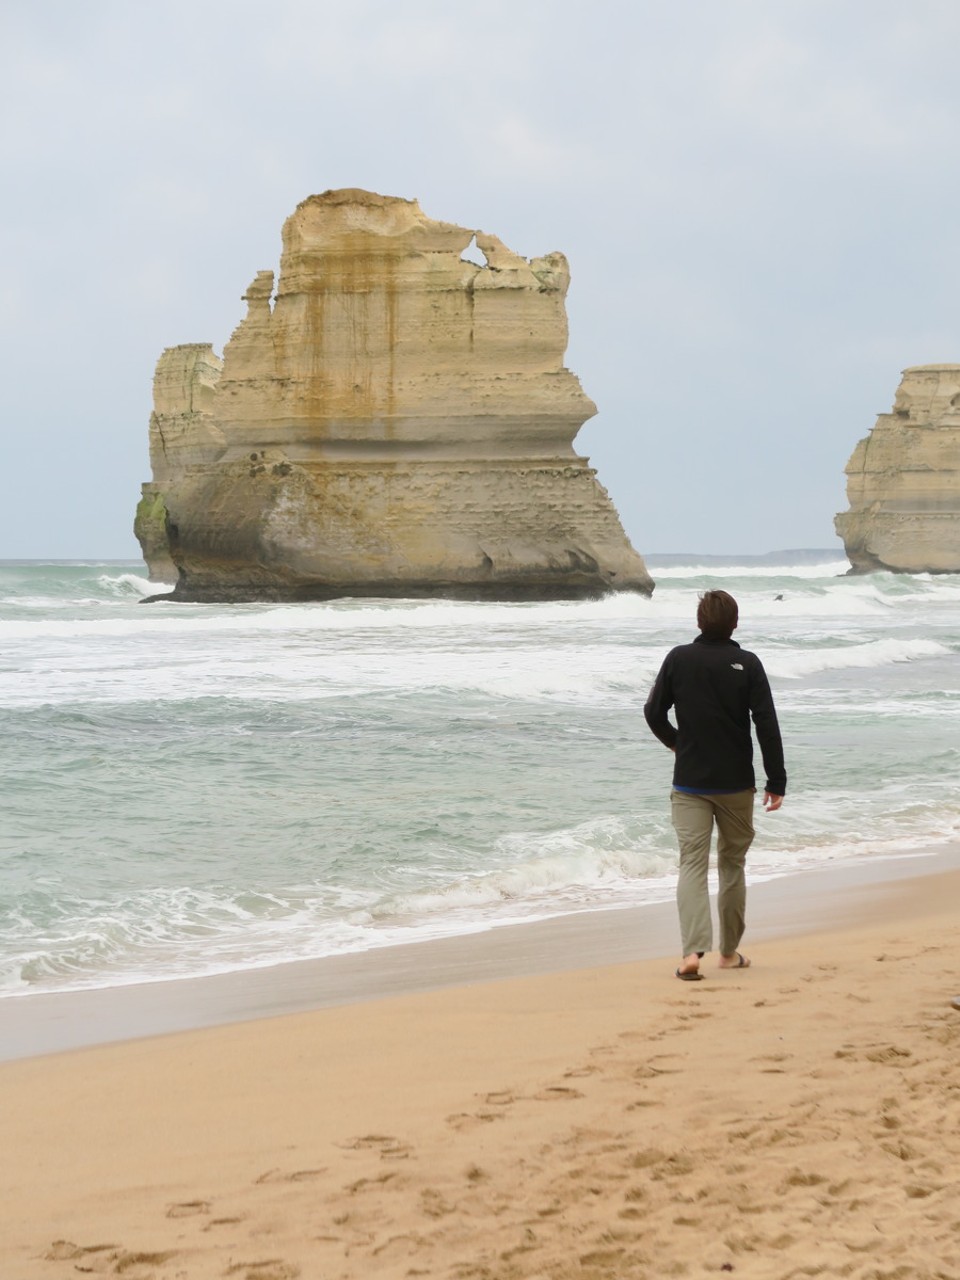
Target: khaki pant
<point>693,819</point>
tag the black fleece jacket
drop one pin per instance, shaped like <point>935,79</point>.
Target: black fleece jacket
<point>716,687</point>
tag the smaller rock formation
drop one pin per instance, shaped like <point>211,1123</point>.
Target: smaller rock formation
<point>182,431</point>
<point>903,480</point>
<point>391,419</point>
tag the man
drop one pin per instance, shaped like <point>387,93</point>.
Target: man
<point>715,688</point>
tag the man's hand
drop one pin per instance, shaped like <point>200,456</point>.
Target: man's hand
<point>771,802</point>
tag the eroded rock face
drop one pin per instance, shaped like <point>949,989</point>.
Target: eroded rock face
<point>394,420</point>
<point>903,480</point>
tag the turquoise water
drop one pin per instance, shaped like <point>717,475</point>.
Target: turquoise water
<point>196,788</point>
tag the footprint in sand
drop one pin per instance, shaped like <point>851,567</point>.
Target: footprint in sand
<point>646,1159</point>
<point>887,1107</point>
<point>115,1256</point>
<point>647,1071</point>
<point>920,1191</point>
<point>800,1179</point>
<point>774,1069</point>
<point>557,1093</point>
<point>188,1209</point>
<point>888,956</point>
<point>126,1260</point>
<point>498,1098</point>
<point>606,1260</point>
<point>466,1120</point>
<point>901,1150</point>
<point>390,1148</point>
<point>398,1248</point>
<point>267,1269</point>
<point>361,1184</point>
<point>434,1204</point>
<point>886,1055</point>
<point>298,1175</point>
<point>821,973</point>
<point>890,1055</point>
<point>66,1250</point>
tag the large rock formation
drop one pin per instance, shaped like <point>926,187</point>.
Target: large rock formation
<point>903,480</point>
<point>396,420</point>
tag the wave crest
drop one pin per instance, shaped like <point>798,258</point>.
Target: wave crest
<point>126,585</point>
<point>876,653</point>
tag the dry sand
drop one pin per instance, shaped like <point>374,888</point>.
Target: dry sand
<point>800,1118</point>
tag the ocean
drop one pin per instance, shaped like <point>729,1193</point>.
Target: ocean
<point>195,789</point>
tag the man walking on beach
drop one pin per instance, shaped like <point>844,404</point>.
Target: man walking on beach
<point>715,688</point>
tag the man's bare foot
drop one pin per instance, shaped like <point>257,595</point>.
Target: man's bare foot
<point>735,961</point>
<point>689,966</point>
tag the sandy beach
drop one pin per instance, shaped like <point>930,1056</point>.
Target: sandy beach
<point>800,1118</point>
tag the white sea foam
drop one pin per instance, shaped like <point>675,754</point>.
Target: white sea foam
<point>579,867</point>
<point>851,599</point>
<point>876,653</point>
<point>130,584</point>
<point>306,674</point>
<point>599,671</point>
<point>826,569</point>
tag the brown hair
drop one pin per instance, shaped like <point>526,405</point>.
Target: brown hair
<point>717,615</point>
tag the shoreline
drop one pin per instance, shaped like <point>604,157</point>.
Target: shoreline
<point>799,1117</point>
<point>809,901</point>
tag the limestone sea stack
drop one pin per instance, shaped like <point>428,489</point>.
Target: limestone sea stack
<point>903,480</point>
<point>393,420</point>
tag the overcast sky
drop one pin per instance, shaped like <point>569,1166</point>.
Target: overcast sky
<point>759,199</point>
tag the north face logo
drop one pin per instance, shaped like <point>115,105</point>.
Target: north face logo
<point>737,666</point>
